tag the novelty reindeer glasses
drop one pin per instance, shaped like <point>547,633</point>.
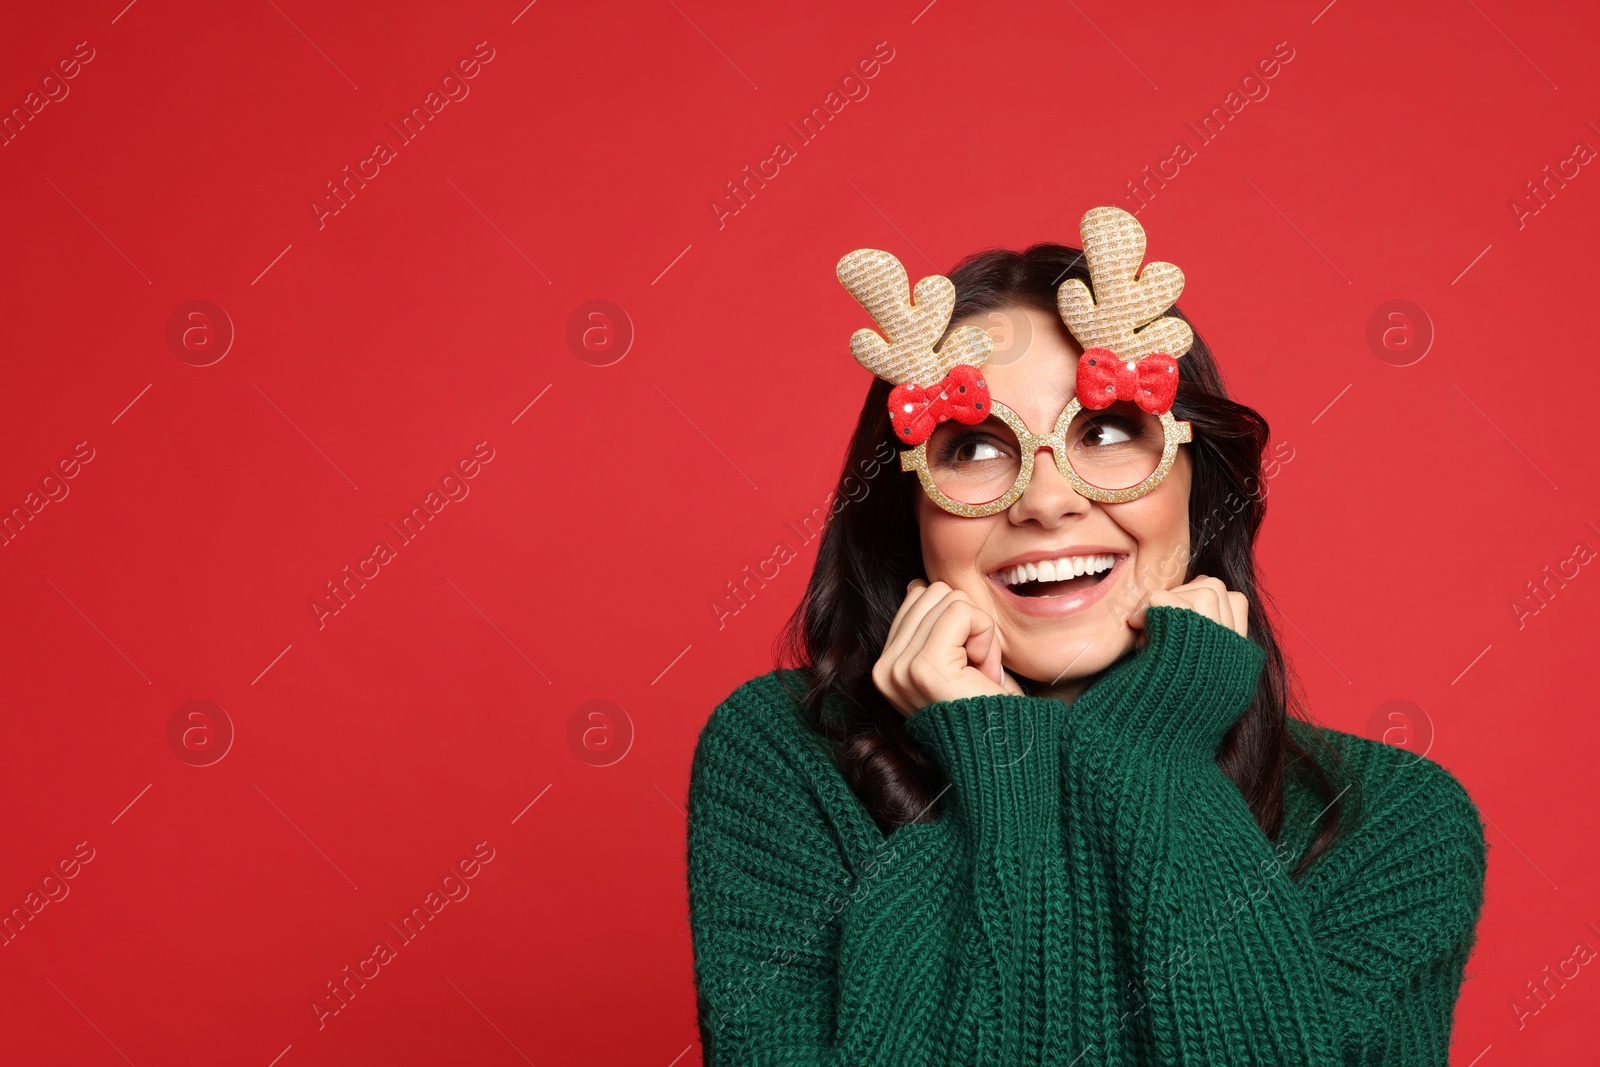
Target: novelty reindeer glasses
<point>1115,440</point>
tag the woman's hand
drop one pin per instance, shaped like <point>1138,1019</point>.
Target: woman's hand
<point>1208,596</point>
<point>941,647</point>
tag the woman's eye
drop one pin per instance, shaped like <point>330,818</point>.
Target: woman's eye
<point>976,450</point>
<point>1106,433</point>
<point>972,448</point>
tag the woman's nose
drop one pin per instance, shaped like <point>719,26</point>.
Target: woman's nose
<point>1048,495</point>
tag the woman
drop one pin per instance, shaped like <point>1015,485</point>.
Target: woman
<point>1035,790</point>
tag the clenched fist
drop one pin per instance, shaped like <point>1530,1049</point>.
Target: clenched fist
<point>941,647</point>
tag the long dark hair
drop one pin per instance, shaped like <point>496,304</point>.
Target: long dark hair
<point>871,550</point>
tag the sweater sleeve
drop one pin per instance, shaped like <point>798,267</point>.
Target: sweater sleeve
<point>936,945</point>
<point>1001,756</point>
<point>1394,908</point>
<point>765,882</point>
<point>1220,945</point>
<point>1234,962</point>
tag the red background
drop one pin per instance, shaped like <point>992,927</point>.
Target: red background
<point>373,752</point>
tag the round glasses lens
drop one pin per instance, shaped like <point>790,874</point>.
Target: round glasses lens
<point>974,464</point>
<point>1116,447</point>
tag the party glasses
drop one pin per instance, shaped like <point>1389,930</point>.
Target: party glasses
<point>1114,454</point>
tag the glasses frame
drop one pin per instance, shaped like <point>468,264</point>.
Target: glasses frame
<point>1175,432</point>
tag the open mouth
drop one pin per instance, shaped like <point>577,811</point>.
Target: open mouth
<point>1062,577</point>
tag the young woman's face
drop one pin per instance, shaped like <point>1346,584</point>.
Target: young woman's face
<point>1055,631</point>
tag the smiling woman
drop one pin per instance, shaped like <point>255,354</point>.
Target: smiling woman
<point>1038,737</point>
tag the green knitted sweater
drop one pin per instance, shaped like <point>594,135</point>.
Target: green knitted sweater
<point>1093,890</point>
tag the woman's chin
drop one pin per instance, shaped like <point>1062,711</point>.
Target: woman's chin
<point>1067,660</point>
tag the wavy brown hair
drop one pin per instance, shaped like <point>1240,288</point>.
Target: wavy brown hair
<point>871,550</point>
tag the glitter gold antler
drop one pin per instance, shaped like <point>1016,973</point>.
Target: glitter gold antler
<point>879,283</point>
<point>1124,314</point>
<point>930,386</point>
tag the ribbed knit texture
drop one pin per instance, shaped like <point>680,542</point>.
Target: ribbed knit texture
<point>1094,891</point>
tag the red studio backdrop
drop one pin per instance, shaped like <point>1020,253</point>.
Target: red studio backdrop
<point>417,418</point>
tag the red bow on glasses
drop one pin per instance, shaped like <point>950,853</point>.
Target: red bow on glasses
<point>1151,382</point>
<point>915,410</point>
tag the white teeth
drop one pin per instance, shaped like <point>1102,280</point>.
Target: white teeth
<point>1054,570</point>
